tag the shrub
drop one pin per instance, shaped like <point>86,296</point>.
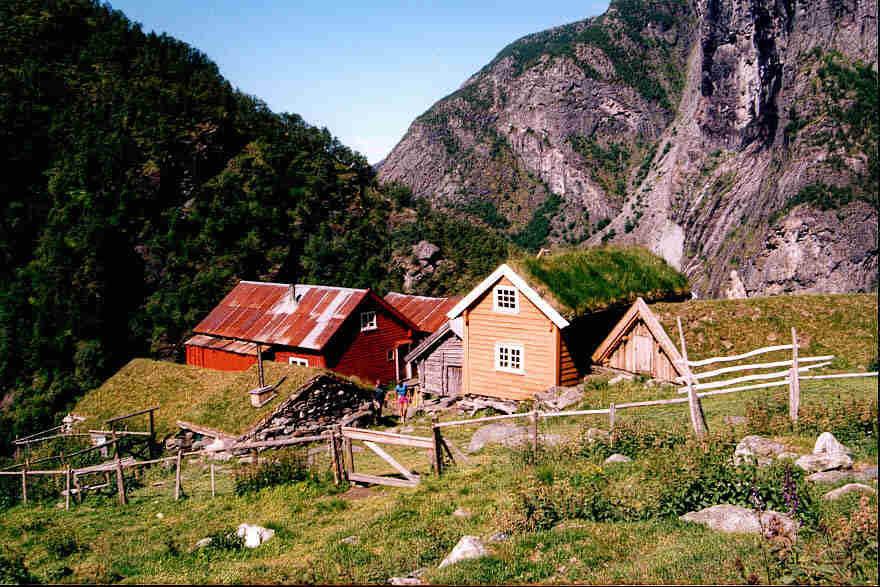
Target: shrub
<point>286,467</point>
<point>13,571</point>
<point>226,539</point>
<point>631,438</point>
<point>853,420</point>
<point>61,543</point>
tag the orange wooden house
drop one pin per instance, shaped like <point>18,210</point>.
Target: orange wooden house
<point>513,339</point>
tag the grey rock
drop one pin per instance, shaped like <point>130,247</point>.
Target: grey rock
<point>499,537</point>
<point>617,458</point>
<point>788,456</point>
<point>594,434</point>
<point>824,462</point>
<point>203,542</point>
<point>836,494</point>
<point>836,476</point>
<point>736,519</point>
<point>497,433</point>
<point>735,420</point>
<point>827,443</point>
<point>468,547</point>
<point>425,251</point>
<point>758,449</point>
<point>353,540</point>
<point>558,398</point>
<point>405,581</point>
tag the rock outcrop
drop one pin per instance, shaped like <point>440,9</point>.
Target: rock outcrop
<point>736,519</point>
<point>733,137</point>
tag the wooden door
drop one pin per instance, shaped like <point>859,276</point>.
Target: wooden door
<point>453,381</point>
<point>643,349</point>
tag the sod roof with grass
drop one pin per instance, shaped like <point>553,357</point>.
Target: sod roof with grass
<point>577,282</point>
<point>214,399</point>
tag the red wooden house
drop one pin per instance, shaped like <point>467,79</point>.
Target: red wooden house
<point>427,313</point>
<point>351,331</point>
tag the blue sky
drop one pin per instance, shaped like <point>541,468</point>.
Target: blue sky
<point>363,69</point>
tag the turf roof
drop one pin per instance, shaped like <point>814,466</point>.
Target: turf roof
<point>216,399</point>
<point>581,281</point>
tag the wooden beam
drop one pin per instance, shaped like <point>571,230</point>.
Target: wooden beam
<point>378,480</point>
<point>260,365</point>
<point>130,415</point>
<point>760,351</point>
<point>755,377</point>
<point>479,420</point>
<point>698,420</point>
<point>794,386</point>
<point>753,366</point>
<point>177,488</point>
<point>841,375</point>
<point>390,460</point>
<point>387,438</point>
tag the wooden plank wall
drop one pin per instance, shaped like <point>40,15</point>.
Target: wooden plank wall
<point>432,369</point>
<point>218,359</point>
<point>624,356</point>
<point>529,328</point>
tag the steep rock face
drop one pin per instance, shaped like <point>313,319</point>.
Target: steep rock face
<point>726,135</point>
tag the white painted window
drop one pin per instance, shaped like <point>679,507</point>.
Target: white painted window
<point>506,300</point>
<point>509,357</point>
<point>368,321</point>
<point>298,361</point>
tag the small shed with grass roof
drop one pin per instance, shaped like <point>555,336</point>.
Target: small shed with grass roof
<point>639,344</point>
<point>535,321</point>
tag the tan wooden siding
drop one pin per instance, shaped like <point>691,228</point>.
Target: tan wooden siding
<point>637,350</point>
<point>530,328</point>
<point>434,374</point>
<point>568,373</point>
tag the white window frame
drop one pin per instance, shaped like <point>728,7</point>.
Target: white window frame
<point>298,361</point>
<point>510,346</point>
<point>371,322</point>
<point>505,290</point>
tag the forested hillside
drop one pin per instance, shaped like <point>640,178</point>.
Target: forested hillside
<point>138,185</point>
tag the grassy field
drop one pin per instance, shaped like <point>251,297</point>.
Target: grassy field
<point>217,399</point>
<point>401,530</point>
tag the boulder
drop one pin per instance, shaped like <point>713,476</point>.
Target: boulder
<point>425,251</point>
<point>617,458</point>
<point>836,494</point>
<point>469,547</point>
<point>736,519</point>
<point>504,434</point>
<point>558,398</point>
<point>835,476</point>
<point>254,535</point>
<point>827,444</point>
<point>824,462</point>
<point>758,449</point>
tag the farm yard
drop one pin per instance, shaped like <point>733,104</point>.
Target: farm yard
<point>559,514</point>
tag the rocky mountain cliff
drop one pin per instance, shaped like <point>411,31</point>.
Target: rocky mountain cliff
<point>737,138</point>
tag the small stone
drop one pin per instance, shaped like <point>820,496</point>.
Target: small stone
<point>735,420</point>
<point>594,434</point>
<point>828,444</point>
<point>462,513</point>
<point>351,540</point>
<point>619,378</point>
<point>499,537</point>
<point>469,547</point>
<point>836,494</point>
<point>254,535</point>
<point>160,515</point>
<point>203,542</point>
<point>824,462</point>
<point>617,458</point>
<point>405,581</point>
<point>757,449</point>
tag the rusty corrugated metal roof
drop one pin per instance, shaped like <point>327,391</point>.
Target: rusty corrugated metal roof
<point>428,313</point>
<point>223,344</point>
<point>304,316</point>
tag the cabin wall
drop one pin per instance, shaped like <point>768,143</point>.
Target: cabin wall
<point>440,370</point>
<point>218,359</point>
<point>284,354</point>
<point>568,371</point>
<point>366,354</point>
<point>639,352</point>
<point>530,328</point>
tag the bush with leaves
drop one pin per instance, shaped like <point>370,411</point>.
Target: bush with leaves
<point>286,466</point>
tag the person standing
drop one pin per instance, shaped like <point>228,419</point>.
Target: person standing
<point>379,398</point>
<point>402,399</point>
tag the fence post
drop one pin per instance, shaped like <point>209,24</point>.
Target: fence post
<point>340,471</point>
<point>438,448</point>
<point>794,385</point>
<point>120,481</point>
<point>698,419</point>
<point>611,415</point>
<point>533,426</point>
<point>212,480</point>
<point>331,447</point>
<point>177,488</point>
<point>24,482</point>
<point>67,484</point>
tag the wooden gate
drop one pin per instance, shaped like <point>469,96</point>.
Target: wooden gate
<point>452,385</point>
<point>372,439</point>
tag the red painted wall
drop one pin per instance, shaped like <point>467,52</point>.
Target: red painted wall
<point>365,354</point>
<point>282,355</point>
<point>218,359</point>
